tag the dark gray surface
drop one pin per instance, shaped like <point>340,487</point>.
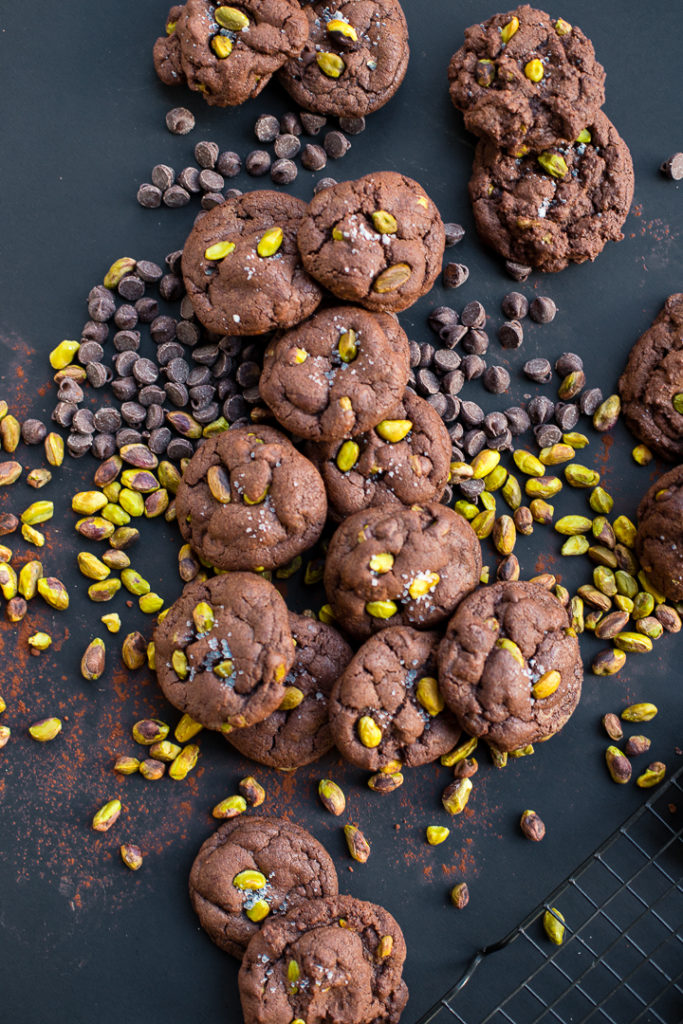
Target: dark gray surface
<point>83,123</point>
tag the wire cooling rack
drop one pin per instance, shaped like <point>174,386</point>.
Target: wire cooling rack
<point>621,961</point>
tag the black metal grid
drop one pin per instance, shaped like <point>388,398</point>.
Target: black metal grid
<point>621,961</point>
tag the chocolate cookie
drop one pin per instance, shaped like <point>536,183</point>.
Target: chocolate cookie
<point>405,459</point>
<point>651,386</point>
<point>242,268</point>
<point>659,541</point>
<point>166,54</point>
<point>557,207</point>
<point>248,499</point>
<point>299,732</point>
<point>229,54</point>
<point>336,959</point>
<point>224,649</point>
<point>254,869</point>
<point>522,79</point>
<point>500,660</point>
<point>336,375</point>
<point>387,705</point>
<point>355,58</point>
<point>377,241</point>
<point>390,566</point>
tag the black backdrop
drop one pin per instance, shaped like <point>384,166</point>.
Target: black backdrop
<point>82,115</point>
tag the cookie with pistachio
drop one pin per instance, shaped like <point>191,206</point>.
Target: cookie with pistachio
<point>651,386</point>
<point>227,53</point>
<point>354,61</point>
<point>524,79</point>
<point>336,375</point>
<point>378,241</point>
<point>387,710</point>
<point>335,959</point>
<point>242,268</point>
<point>404,460</point>
<point>249,500</point>
<point>660,529</point>
<point>391,566</point>
<point>223,651</point>
<point>509,665</point>
<point>299,731</point>
<point>252,870</point>
<point>555,207</point>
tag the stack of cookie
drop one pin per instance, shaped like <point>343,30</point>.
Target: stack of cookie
<point>552,180</point>
<point>347,60</point>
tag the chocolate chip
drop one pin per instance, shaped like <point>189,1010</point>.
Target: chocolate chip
<point>188,332</point>
<point>177,370</point>
<point>63,413</point>
<point>79,444</point>
<point>290,124</point>
<point>211,181</point>
<point>455,274</point>
<point>107,419</point>
<point>206,154</point>
<point>473,315</point>
<point>70,391</point>
<point>93,331</point>
<point>496,379</point>
<point>452,408</point>
<point>540,409</point>
<point>538,370</point>
<point>158,440</point>
<point>145,371</point>
<point>454,233</point>
<point>352,125</point>
<point>176,393</point>
<point>471,489</point>
<point>547,434</point>
<point>453,382</point>
<point>517,271</point>
<point>495,423</point>
<point>151,394</point>
<point>101,307</point>
<point>233,193</point>
<point>312,124</point>
<point>673,167</point>
<point>127,436</point>
<point>179,448</point>
<point>175,197</point>
<point>229,164</point>
<point>248,374</point>
<point>450,336</point>
<point>257,163</point>
<point>501,442</point>
<point>163,329</point>
<point>590,400</point>
<point>473,442</point>
<point>201,395</point>
<point>456,431</point>
<point>426,354</point>
<point>133,413</point>
<point>169,350</point>
<point>566,415</point>
<point>313,158</point>
<point>267,128</point>
<point>148,271</point>
<point>211,199</point>
<point>511,334</point>
<point>514,306</point>
<point>542,310</point>
<point>98,374</point>
<point>234,408</point>
<point>473,366</point>
<point>146,309</point>
<point>427,382</point>
<point>471,414</point>
<point>286,146</point>
<point>155,416</point>
<point>442,316</point>
<point>189,180</point>
<point>283,172</point>
<point>180,120</point>
<point>90,352</point>
<point>445,360</point>
<point>33,431</point>
<point>163,176</point>
<point>171,287</point>
<point>518,421</point>
<point>475,342</point>
<point>83,422</point>
<point>149,196</point>
<point>336,145</point>
<point>437,402</point>
<point>322,184</point>
<point>568,362</point>
<point>126,317</point>
<point>103,446</point>
<point>124,388</point>
<point>124,362</point>
<point>415,354</point>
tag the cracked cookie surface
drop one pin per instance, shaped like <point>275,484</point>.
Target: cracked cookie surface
<point>229,54</point>
<point>389,695</point>
<point>400,567</point>
<point>558,207</point>
<point>659,543</point>
<point>336,375</point>
<point>249,499</point>
<point>501,640</point>
<point>288,739</point>
<point>378,241</point>
<point>294,866</point>
<point>383,472</point>
<point>340,973</point>
<point>244,292</point>
<point>491,84</point>
<point>225,666</point>
<point>652,379</point>
<point>366,58</point>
